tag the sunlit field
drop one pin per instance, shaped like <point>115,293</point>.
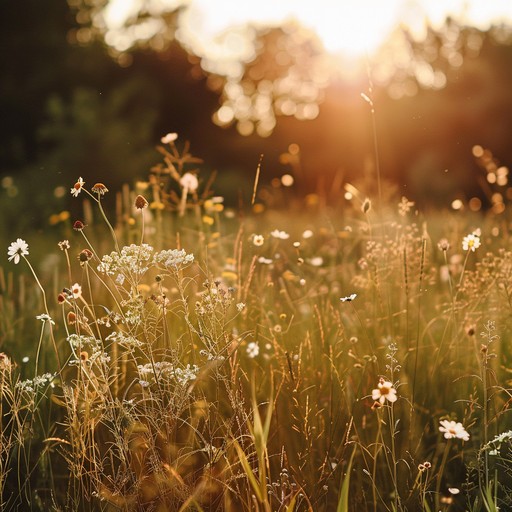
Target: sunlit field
<point>171,353</point>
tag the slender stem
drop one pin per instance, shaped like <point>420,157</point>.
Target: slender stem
<point>46,311</point>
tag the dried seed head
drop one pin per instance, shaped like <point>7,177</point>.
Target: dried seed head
<point>367,204</point>
<point>99,189</point>
<point>61,298</point>
<point>443,244</point>
<point>141,202</point>
<point>85,256</point>
<point>71,318</point>
<point>84,356</point>
<point>64,245</point>
<point>78,225</point>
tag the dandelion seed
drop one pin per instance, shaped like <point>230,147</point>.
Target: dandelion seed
<point>452,430</point>
<point>64,245</point>
<point>471,242</point>
<point>77,188</point>
<point>170,137</point>
<point>443,244</point>
<point>384,391</point>
<point>253,349</point>
<point>16,250</point>
<point>99,189</point>
<point>141,202</point>
<point>349,298</point>
<point>258,240</point>
<point>45,318</point>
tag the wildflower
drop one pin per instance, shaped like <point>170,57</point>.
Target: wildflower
<point>189,182</point>
<point>99,189</point>
<point>281,235</point>
<point>404,206</point>
<point>265,261</point>
<point>443,244</point>
<point>170,137</point>
<point>349,298</point>
<point>258,240</point>
<point>317,261</point>
<point>452,429</point>
<point>141,202</point>
<point>240,306</point>
<point>471,242</point>
<point>17,249</point>
<point>77,188</point>
<point>71,318</point>
<point>253,349</point>
<point>85,255</point>
<point>64,245</point>
<point>78,225</point>
<point>385,391</point>
<point>45,318</point>
<point>76,290</point>
<point>5,362</point>
<point>61,298</point>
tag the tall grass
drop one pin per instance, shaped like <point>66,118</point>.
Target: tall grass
<point>190,357</point>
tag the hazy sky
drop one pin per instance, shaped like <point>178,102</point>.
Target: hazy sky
<point>351,27</point>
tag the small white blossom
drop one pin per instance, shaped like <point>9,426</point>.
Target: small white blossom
<point>452,430</point>
<point>253,349</point>
<point>349,298</point>
<point>258,240</point>
<point>317,261</point>
<point>281,235</point>
<point>384,391</point>
<point>189,182</point>
<point>45,318</point>
<point>265,261</point>
<point>17,249</point>
<point>471,242</point>
<point>77,188</point>
<point>240,306</point>
<point>170,137</point>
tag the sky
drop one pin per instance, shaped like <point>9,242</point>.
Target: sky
<point>214,29</point>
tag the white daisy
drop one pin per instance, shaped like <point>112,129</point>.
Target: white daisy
<point>77,188</point>
<point>385,391</point>
<point>16,250</point>
<point>453,429</point>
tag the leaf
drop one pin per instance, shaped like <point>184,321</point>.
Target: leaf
<point>345,487</point>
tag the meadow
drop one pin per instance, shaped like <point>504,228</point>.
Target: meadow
<point>291,354</point>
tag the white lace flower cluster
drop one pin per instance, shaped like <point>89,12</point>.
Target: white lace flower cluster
<point>132,260</point>
<point>87,348</point>
<point>173,259</point>
<point>166,370</point>
<point>31,385</point>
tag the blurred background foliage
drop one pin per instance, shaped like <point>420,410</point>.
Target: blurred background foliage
<point>72,105</point>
